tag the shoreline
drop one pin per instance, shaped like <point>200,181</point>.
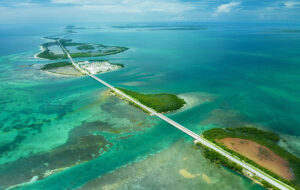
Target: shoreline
<point>128,101</point>
<point>36,55</point>
<point>46,174</point>
<point>268,151</point>
<point>65,74</point>
<point>60,75</point>
<point>32,180</point>
<point>162,103</point>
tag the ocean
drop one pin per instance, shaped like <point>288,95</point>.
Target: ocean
<point>68,133</point>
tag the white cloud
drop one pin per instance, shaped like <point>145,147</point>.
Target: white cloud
<point>98,11</point>
<point>226,8</point>
<point>145,10</point>
<point>130,6</point>
<point>291,4</point>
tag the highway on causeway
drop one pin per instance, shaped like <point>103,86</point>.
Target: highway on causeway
<point>198,139</point>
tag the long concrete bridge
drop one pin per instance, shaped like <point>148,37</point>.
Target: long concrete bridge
<point>196,137</point>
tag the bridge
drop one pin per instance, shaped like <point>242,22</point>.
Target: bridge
<point>198,139</point>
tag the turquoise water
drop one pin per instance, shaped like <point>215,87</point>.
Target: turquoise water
<point>231,76</point>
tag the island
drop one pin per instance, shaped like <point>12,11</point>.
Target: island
<point>98,66</point>
<point>52,50</point>
<point>257,147</point>
<point>161,103</point>
<point>91,66</point>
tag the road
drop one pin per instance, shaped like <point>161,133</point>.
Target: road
<point>198,139</point>
<point>71,59</point>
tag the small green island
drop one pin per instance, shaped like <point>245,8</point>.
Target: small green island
<point>90,66</point>
<point>64,68</point>
<point>161,103</point>
<point>257,147</point>
<point>52,51</point>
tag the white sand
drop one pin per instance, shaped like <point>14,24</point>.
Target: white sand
<point>66,71</point>
<point>194,99</point>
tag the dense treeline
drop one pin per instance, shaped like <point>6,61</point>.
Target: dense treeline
<point>55,65</point>
<point>114,51</point>
<point>118,64</point>
<point>219,159</point>
<point>159,102</point>
<point>85,47</point>
<point>266,138</point>
<point>247,132</point>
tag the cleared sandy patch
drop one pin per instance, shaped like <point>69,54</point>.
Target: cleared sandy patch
<point>206,179</point>
<point>67,70</point>
<point>187,174</point>
<point>259,154</point>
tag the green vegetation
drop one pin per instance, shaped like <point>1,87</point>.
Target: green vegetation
<point>131,103</point>
<point>98,54</point>
<point>159,102</point>
<point>102,51</point>
<point>85,47</point>
<point>47,54</point>
<point>98,60</point>
<point>55,65</point>
<point>268,185</point>
<point>68,42</point>
<point>81,54</point>
<point>219,159</point>
<point>119,64</point>
<point>254,134</point>
<point>215,157</point>
<point>265,138</point>
<point>112,51</point>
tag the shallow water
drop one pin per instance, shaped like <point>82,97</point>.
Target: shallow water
<point>232,76</point>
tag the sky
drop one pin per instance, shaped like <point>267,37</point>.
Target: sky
<point>106,11</point>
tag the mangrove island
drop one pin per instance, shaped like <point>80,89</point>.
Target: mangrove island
<point>91,66</point>
<point>52,51</point>
<point>257,147</point>
<point>161,103</point>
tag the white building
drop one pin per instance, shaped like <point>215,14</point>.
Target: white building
<point>97,66</point>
